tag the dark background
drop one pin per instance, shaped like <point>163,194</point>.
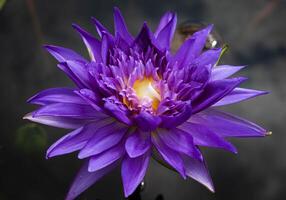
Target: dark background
<point>256,33</point>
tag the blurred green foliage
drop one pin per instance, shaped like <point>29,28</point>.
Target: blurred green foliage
<point>2,3</point>
<point>31,138</point>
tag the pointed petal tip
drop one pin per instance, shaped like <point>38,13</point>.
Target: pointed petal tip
<point>50,48</point>
<point>81,155</point>
<point>116,9</point>
<point>30,100</point>
<point>47,46</point>
<point>48,155</point>
<point>93,19</point>
<point>77,27</point>
<point>127,193</point>
<point>145,25</point>
<point>50,152</point>
<point>240,67</point>
<point>90,169</point>
<point>234,151</point>
<point>209,27</point>
<point>241,79</point>
<point>206,30</point>
<point>80,30</point>
<point>211,188</point>
<point>264,92</point>
<point>231,148</point>
<point>29,116</point>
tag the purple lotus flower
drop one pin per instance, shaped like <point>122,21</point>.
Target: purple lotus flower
<point>135,99</point>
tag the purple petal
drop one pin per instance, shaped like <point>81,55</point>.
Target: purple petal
<point>63,54</point>
<point>69,110</point>
<point>192,47</point>
<point>180,141</point>
<point>226,125</point>
<point>209,57</point>
<point>104,138</point>
<point>89,97</point>
<point>138,143</point>
<point>120,26</point>
<point>165,36</point>
<point>224,71</point>
<point>65,68</point>
<point>121,43</point>
<point>77,72</point>
<point>106,158</point>
<point>239,94</point>
<point>85,179</point>
<point>133,171</point>
<point>144,38</point>
<point>104,48</point>
<point>92,44</point>
<point>163,22</point>
<point>99,27</point>
<point>172,157</point>
<point>197,170</point>
<point>80,71</point>
<point>146,121</point>
<point>75,111</point>
<point>59,122</point>
<point>204,137</point>
<point>174,121</point>
<point>76,139</point>
<point>117,110</point>
<point>56,95</point>
<point>215,91</point>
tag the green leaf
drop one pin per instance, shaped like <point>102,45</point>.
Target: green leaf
<point>2,3</point>
<point>31,138</point>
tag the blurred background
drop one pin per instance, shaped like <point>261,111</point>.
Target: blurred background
<point>256,33</point>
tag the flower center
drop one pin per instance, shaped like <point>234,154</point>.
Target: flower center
<point>146,93</point>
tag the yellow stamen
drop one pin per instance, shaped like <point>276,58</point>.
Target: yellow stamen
<point>146,92</point>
